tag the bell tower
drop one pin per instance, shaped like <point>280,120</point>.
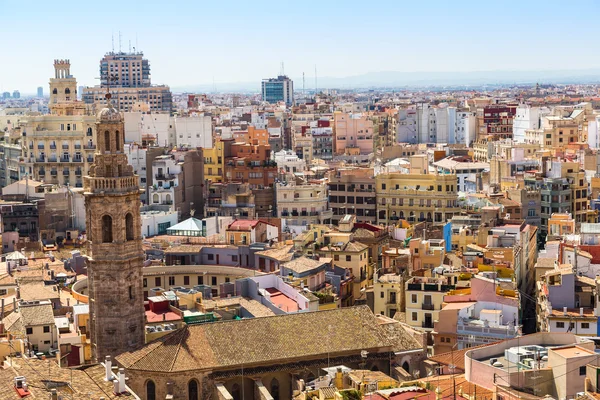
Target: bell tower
<point>112,203</point>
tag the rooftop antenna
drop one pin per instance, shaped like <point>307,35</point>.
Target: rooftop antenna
<point>130,46</point>
<point>136,43</point>
<point>113,41</point>
<point>303,86</point>
<point>316,86</point>
<point>281,72</point>
<point>119,41</point>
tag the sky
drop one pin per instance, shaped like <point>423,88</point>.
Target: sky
<point>205,41</point>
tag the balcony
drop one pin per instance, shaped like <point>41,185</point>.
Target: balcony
<point>482,328</point>
<point>90,159</point>
<point>40,159</point>
<point>41,172</point>
<point>64,159</point>
<point>66,172</point>
<point>77,146</point>
<point>164,177</point>
<point>65,147</point>
<point>52,147</point>
<point>54,173</point>
<point>78,172</point>
<point>77,159</point>
<point>428,306</point>
<point>427,324</point>
<point>89,146</point>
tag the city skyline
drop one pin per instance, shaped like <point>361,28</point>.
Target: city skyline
<point>195,44</point>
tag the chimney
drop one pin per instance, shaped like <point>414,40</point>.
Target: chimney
<point>564,310</point>
<point>53,394</point>
<point>339,379</point>
<point>14,305</point>
<point>108,368</point>
<point>121,380</point>
<point>581,311</point>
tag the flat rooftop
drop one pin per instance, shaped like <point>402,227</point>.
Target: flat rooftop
<point>282,301</point>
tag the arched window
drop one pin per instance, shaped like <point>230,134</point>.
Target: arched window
<point>150,390</point>
<point>235,392</point>
<point>405,366</point>
<point>129,226</point>
<point>107,140</point>
<point>67,91</point>
<point>117,141</point>
<point>155,198</point>
<point>193,390</point>
<point>54,91</point>
<point>275,389</point>
<point>107,236</point>
<point>168,198</point>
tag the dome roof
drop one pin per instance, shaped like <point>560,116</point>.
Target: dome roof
<point>109,114</point>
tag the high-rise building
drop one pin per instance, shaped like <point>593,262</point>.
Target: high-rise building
<point>112,202</point>
<point>6,95</point>
<point>128,75</point>
<point>40,92</point>
<point>278,89</point>
<point>125,70</point>
<point>16,94</point>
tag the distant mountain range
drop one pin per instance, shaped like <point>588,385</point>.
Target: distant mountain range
<point>395,79</point>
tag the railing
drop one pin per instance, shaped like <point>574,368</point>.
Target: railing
<point>428,306</point>
<point>66,173</point>
<point>52,147</point>
<point>64,159</point>
<point>505,332</point>
<point>77,159</point>
<point>165,176</point>
<point>77,146</point>
<point>90,159</point>
<point>89,146</point>
<point>78,172</point>
<point>427,324</point>
<point>54,173</point>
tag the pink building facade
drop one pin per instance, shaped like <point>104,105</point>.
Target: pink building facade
<point>353,134</point>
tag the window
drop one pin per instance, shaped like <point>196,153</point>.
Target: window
<point>383,186</point>
<point>200,280</point>
<point>585,325</point>
<point>348,258</point>
<point>193,390</point>
<point>157,282</point>
<point>107,236</point>
<point>213,281</point>
<point>130,292</point>
<point>129,227</point>
<point>227,279</point>
<point>145,282</point>
<point>150,390</point>
<point>413,298</point>
<point>560,324</point>
<point>234,258</point>
<point>29,331</point>
<point>171,280</point>
<point>382,295</point>
<point>582,370</point>
<point>414,316</point>
<point>47,329</point>
<point>336,257</point>
<point>186,280</point>
<point>107,148</point>
<point>211,257</point>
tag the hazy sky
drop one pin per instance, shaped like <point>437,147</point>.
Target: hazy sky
<point>240,41</point>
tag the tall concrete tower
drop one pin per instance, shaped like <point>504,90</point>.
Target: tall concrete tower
<point>112,202</point>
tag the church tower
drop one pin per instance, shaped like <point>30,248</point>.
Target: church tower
<point>112,204</point>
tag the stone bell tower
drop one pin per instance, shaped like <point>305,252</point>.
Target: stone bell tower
<point>112,203</point>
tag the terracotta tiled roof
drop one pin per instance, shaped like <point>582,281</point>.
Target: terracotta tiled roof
<point>302,264</point>
<point>282,254</point>
<point>269,340</point>
<point>40,314</point>
<point>13,323</point>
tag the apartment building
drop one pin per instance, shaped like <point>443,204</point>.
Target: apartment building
<point>352,191</point>
<point>352,131</point>
<point>418,196</point>
<point>214,159</point>
<point>388,295</point>
<point>302,203</point>
<point>128,75</point>
<point>423,299</point>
